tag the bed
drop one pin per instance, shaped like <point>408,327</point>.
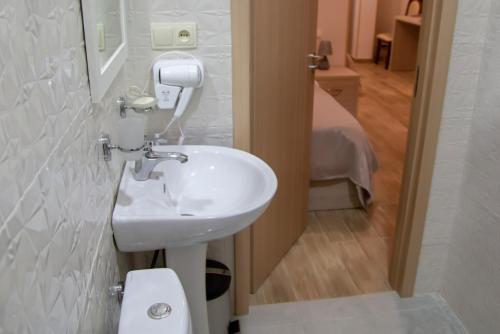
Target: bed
<point>342,158</point>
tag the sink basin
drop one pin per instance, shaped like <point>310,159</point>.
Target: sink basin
<point>217,193</point>
<point>181,207</point>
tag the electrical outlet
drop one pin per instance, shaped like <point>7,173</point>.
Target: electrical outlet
<point>166,36</point>
<point>185,35</point>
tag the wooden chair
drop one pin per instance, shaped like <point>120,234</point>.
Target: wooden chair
<point>414,8</point>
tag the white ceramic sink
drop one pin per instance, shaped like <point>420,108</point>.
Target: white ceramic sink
<point>182,207</point>
<point>217,193</point>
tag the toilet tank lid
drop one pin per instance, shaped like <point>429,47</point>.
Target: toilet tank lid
<point>147,293</point>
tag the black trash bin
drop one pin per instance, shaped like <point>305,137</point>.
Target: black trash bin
<point>218,282</point>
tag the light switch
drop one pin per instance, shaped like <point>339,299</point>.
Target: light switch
<point>161,36</point>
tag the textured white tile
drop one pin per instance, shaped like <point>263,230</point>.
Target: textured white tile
<point>208,120</point>
<point>432,263</point>
<point>468,276</point>
<point>57,256</point>
<point>56,249</point>
<point>459,107</point>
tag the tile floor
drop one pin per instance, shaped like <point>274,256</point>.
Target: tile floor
<point>381,313</point>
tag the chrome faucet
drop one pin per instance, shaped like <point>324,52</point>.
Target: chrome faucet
<point>144,167</point>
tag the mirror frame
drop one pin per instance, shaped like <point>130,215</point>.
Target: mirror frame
<point>102,75</point>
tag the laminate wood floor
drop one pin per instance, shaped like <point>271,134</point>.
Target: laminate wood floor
<point>347,252</point>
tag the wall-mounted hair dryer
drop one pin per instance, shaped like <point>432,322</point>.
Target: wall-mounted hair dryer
<point>175,81</point>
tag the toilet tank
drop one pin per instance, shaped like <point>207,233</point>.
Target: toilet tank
<point>154,302</point>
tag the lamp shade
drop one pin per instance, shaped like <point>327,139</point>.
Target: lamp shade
<point>325,48</point>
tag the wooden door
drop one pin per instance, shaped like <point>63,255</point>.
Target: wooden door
<point>283,34</point>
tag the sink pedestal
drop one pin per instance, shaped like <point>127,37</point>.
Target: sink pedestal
<point>190,265</point>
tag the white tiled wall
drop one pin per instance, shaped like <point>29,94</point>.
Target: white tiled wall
<point>209,119</point>
<point>471,281</point>
<point>56,252</point>
<point>463,78</point>
<point>57,257</point>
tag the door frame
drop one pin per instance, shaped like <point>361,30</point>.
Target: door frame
<point>436,39</point>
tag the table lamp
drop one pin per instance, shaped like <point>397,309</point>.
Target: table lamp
<point>324,50</point>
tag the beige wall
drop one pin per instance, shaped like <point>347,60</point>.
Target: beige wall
<point>387,10</point>
<point>333,25</point>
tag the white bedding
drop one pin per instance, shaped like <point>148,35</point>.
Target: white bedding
<point>340,147</point>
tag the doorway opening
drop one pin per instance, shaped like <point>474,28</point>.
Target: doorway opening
<point>362,120</point>
<point>298,251</point>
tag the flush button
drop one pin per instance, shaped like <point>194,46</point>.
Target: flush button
<point>159,311</point>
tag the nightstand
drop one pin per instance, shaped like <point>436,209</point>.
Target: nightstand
<point>343,84</point>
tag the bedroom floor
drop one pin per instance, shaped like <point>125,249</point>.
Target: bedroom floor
<point>347,252</point>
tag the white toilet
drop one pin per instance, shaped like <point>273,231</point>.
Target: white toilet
<point>154,303</point>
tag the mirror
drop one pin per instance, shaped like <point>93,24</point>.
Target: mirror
<point>105,42</point>
<point>109,34</point>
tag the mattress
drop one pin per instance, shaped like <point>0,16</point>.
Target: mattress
<point>340,147</point>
